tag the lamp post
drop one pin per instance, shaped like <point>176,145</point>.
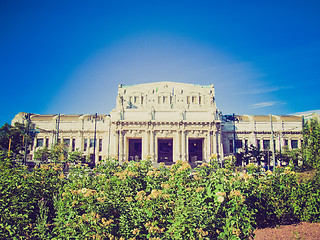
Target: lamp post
<point>272,145</point>
<point>27,117</point>
<point>94,140</point>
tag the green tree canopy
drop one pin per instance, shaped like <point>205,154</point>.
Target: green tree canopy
<point>17,134</point>
<point>59,153</point>
<point>311,144</point>
<point>42,155</point>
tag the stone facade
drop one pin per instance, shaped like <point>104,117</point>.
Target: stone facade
<point>166,122</point>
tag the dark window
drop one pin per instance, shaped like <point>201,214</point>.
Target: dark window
<point>165,99</point>
<point>286,142</point>
<point>165,152</point>
<point>73,144</point>
<point>266,144</point>
<point>100,145</point>
<point>258,144</point>
<point>91,143</point>
<point>85,144</point>
<point>294,144</point>
<point>135,149</point>
<point>100,158</point>
<point>246,143</point>
<point>231,145</point>
<point>238,143</point>
<point>195,150</point>
<point>47,142</point>
<point>40,142</point>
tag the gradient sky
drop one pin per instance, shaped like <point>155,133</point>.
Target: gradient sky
<point>69,57</point>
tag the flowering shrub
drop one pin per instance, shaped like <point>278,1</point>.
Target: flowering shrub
<point>21,195</point>
<point>135,200</point>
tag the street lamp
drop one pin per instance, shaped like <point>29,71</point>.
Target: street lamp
<point>94,140</point>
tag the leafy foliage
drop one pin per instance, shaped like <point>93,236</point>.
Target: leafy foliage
<point>135,200</point>
<point>311,144</point>
<point>59,153</point>
<point>18,136</point>
<point>42,155</point>
<point>76,157</point>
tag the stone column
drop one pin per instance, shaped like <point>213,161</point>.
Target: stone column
<point>152,143</point>
<point>177,146</point>
<point>183,146</point>
<point>116,144</point>
<point>180,144</point>
<point>209,144</point>
<point>120,146</point>
<point>220,147</point>
<point>214,143</point>
<point>145,144</point>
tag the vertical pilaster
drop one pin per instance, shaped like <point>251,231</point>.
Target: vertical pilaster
<point>152,149</point>
<point>214,143</point>
<point>120,146</point>
<point>183,145</point>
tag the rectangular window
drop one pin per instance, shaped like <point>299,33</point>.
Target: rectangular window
<point>85,144</point>
<point>91,143</point>
<point>188,100</point>
<point>266,144</point>
<point>246,143</point>
<point>165,99</point>
<point>141,100</point>
<point>100,145</point>
<point>66,142</point>
<point>231,145</point>
<point>193,99</point>
<point>258,144</point>
<point>100,158</point>
<point>294,144</point>
<point>286,142</point>
<point>200,100</point>
<point>40,142</point>
<point>73,144</point>
<point>47,143</point>
<point>238,143</point>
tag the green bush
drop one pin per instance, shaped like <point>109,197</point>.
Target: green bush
<point>21,194</point>
<point>135,200</point>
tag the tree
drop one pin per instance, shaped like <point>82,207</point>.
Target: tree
<point>59,153</point>
<point>249,153</point>
<point>291,155</point>
<point>42,155</point>
<point>311,144</point>
<point>18,136</point>
<point>76,157</point>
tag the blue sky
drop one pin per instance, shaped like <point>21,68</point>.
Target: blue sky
<point>69,57</point>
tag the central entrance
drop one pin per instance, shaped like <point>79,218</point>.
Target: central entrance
<point>135,149</point>
<point>195,149</point>
<point>165,150</point>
